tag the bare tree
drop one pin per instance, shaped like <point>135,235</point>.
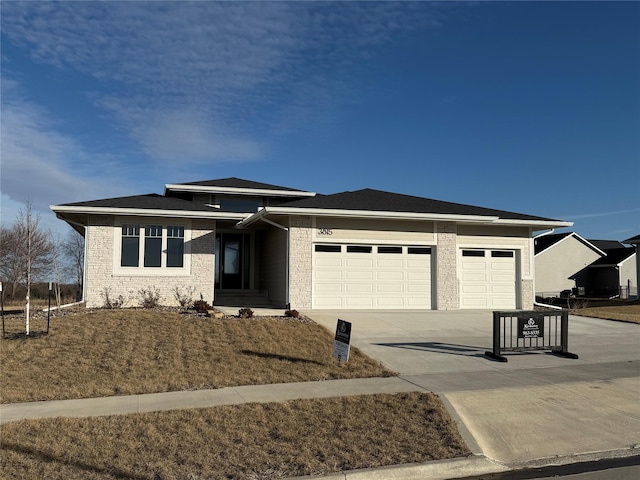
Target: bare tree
<point>11,270</point>
<point>33,249</point>
<point>73,249</point>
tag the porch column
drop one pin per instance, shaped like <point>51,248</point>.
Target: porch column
<point>300,262</point>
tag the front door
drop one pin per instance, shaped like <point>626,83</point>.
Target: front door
<point>232,261</point>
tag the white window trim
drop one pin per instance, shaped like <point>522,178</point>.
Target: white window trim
<point>141,270</point>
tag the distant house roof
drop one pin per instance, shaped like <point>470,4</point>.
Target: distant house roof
<point>632,240</point>
<point>606,244</point>
<point>233,182</point>
<point>615,256</point>
<point>544,241</point>
<point>380,201</point>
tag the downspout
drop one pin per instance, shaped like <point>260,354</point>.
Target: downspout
<point>277,225</point>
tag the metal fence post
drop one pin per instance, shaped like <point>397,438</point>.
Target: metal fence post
<point>495,354</point>
<point>564,337</point>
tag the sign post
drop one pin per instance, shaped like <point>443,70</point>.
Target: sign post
<point>342,341</point>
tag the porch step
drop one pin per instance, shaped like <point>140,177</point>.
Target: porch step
<point>242,298</point>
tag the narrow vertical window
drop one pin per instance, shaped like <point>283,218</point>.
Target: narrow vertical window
<point>130,246</point>
<point>175,246</point>
<point>153,246</point>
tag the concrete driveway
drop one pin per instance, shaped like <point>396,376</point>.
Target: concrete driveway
<point>535,406</point>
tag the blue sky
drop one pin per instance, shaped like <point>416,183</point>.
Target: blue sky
<point>532,107</point>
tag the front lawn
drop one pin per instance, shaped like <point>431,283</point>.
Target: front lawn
<point>133,351</point>
<point>620,310</point>
<point>253,441</point>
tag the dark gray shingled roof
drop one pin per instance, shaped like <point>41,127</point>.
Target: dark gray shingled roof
<point>606,244</point>
<point>380,201</point>
<point>545,241</point>
<point>233,182</point>
<point>635,239</point>
<point>151,201</point>
<point>614,257</point>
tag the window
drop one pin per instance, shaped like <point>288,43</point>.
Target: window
<point>242,205</point>
<point>328,248</point>
<point>359,249</point>
<point>389,249</point>
<point>175,246</point>
<point>419,250</point>
<point>130,245</point>
<point>473,253</point>
<point>501,254</point>
<point>153,246</point>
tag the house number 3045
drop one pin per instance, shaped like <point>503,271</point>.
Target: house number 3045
<point>325,231</point>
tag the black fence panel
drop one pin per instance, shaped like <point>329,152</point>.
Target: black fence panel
<point>522,331</point>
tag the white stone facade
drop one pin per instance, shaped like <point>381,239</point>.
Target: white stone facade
<point>101,280</point>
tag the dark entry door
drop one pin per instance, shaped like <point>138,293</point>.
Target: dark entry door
<point>231,256</point>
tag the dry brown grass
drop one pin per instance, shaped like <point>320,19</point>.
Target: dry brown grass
<point>254,441</point>
<point>625,312</point>
<point>122,352</point>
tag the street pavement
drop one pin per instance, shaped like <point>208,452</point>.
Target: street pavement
<point>535,410</point>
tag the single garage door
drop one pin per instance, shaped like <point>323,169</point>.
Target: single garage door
<point>371,276</point>
<point>488,279</point>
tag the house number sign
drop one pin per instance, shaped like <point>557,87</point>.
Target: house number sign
<point>325,231</point>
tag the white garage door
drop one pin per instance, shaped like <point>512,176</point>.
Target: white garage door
<point>371,276</point>
<point>488,279</point>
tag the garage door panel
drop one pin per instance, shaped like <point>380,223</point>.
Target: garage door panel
<point>328,260</point>
<point>358,275</point>
<point>358,288</point>
<point>474,277</point>
<point>387,288</point>
<point>356,262</point>
<point>418,288</point>
<point>324,288</point>
<point>419,264</point>
<point>473,265</point>
<point>390,262</point>
<point>389,276</point>
<point>358,302</point>
<point>418,276</point>
<point>390,302</point>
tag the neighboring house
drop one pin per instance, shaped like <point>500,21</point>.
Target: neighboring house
<point>614,274</point>
<point>562,261</point>
<point>636,241</point>
<point>360,249</point>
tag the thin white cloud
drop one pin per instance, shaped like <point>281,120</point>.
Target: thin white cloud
<point>244,70</point>
<point>601,214</point>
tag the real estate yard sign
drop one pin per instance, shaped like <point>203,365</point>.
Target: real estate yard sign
<point>342,341</point>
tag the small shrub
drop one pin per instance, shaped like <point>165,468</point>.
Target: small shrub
<point>292,313</point>
<point>110,302</point>
<point>149,297</point>
<point>184,299</point>
<point>245,313</point>
<point>201,306</point>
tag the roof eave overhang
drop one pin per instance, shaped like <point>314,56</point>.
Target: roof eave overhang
<point>415,216</point>
<point>60,210</point>
<point>237,191</point>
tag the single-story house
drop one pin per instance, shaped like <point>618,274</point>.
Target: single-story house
<point>562,261</point>
<point>364,249</point>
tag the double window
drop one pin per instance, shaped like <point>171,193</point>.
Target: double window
<point>155,246</point>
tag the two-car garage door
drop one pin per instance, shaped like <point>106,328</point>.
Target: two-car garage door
<point>371,276</point>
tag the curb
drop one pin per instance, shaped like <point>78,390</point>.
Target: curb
<point>436,470</point>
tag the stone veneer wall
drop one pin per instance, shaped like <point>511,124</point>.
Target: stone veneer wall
<point>447,288</point>
<point>528,295</point>
<point>300,262</point>
<point>99,276</point>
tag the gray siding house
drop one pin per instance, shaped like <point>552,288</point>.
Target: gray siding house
<point>364,249</point>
